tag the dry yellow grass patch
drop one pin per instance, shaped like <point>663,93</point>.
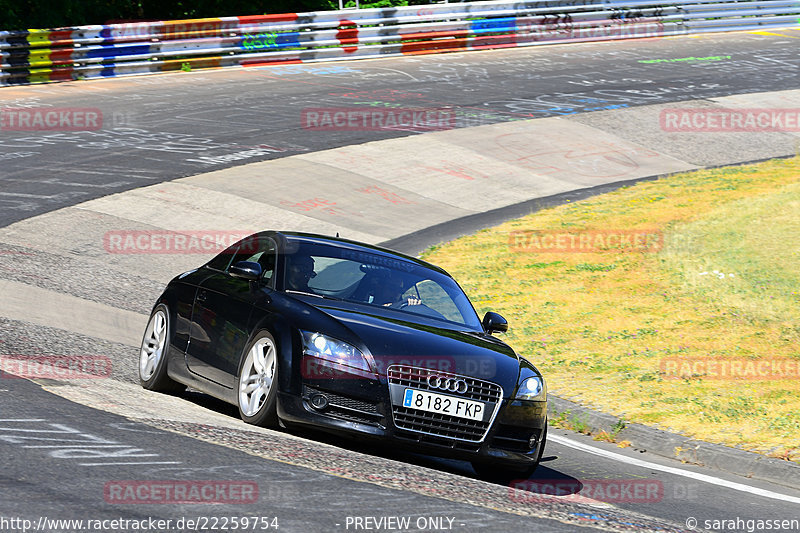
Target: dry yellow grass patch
<point>604,326</point>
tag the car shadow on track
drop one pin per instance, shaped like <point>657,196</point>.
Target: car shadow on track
<point>542,479</point>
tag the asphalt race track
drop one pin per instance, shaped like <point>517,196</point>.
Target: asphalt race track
<point>235,151</point>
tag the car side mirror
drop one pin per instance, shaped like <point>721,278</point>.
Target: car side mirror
<point>494,322</point>
<point>248,270</point>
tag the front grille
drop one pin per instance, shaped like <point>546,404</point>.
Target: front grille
<point>401,377</point>
<point>438,424</point>
<point>346,407</point>
<point>416,378</point>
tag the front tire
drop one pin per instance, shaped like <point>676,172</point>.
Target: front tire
<point>257,382</point>
<point>153,354</point>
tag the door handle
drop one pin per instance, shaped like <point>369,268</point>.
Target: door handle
<point>201,296</point>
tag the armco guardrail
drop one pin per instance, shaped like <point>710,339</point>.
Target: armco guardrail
<point>37,56</point>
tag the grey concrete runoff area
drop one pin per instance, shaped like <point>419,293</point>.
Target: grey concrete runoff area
<point>81,279</point>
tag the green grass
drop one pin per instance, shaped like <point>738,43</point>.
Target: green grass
<point>737,256</point>
<point>600,325</point>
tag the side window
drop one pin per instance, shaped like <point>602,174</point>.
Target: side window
<point>261,251</point>
<point>223,260</point>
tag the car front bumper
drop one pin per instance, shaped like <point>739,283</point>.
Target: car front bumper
<point>514,437</point>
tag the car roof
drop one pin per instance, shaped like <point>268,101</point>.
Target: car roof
<point>315,238</point>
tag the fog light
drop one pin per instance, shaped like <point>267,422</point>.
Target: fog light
<point>319,402</point>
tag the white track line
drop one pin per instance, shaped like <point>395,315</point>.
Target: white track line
<point>672,470</point>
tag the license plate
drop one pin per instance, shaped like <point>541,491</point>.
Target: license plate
<point>439,403</point>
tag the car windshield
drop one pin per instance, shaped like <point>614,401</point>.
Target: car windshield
<point>377,280</point>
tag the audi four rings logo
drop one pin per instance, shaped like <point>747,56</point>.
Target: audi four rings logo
<point>447,384</point>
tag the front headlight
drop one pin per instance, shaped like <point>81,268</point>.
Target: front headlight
<point>333,350</point>
<point>533,388</point>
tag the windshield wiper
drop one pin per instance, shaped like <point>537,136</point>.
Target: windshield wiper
<point>323,296</point>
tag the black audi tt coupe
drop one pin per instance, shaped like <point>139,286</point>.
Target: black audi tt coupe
<point>304,329</point>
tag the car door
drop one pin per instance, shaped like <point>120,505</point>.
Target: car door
<point>221,315</point>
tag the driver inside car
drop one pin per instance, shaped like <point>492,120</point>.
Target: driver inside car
<point>299,273</point>
<point>388,291</point>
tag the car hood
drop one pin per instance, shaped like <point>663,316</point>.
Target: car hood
<point>393,337</point>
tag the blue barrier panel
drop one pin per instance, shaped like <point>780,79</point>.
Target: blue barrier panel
<point>110,51</point>
<point>503,24</point>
